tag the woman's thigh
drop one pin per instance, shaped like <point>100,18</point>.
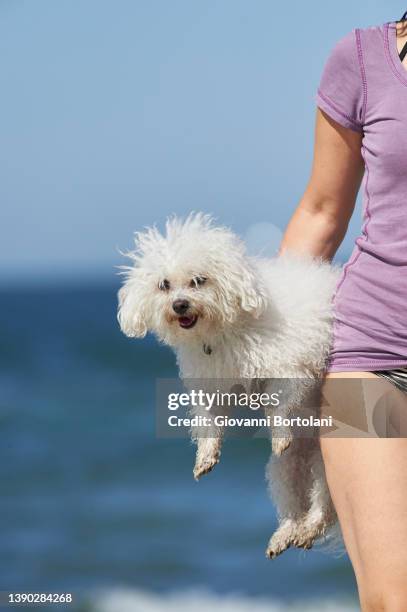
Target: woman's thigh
<point>367,478</point>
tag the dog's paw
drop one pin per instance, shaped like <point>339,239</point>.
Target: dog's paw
<point>281,539</point>
<point>308,533</point>
<point>207,456</point>
<point>290,533</point>
<point>279,445</point>
<point>272,552</point>
<point>303,542</point>
<point>205,466</point>
<point>277,545</point>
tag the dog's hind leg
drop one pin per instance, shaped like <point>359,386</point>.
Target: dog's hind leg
<point>285,475</point>
<point>321,513</point>
<point>300,491</point>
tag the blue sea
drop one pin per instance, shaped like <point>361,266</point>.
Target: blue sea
<point>94,504</point>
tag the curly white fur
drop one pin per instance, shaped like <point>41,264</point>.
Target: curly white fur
<point>245,318</point>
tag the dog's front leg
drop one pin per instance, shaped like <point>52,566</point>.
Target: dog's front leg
<point>209,440</point>
<point>281,435</point>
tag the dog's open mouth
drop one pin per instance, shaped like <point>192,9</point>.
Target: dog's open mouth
<point>187,322</point>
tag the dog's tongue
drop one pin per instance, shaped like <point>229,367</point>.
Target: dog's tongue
<point>185,320</point>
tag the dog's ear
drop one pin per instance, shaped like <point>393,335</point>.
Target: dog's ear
<point>131,312</point>
<point>134,313</point>
<point>251,293</point>
<point>241,289</point>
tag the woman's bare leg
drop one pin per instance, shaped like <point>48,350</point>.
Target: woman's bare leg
<point>367,478</point>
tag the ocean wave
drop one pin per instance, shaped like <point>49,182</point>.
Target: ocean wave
<point>132,600</point>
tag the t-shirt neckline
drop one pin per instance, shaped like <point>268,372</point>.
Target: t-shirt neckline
<point>390,41</point>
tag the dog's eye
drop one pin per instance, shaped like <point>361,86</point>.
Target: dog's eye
<point>197,281</point>
<point>164,285</point>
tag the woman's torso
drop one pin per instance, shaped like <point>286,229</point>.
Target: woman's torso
<point>370,329</point>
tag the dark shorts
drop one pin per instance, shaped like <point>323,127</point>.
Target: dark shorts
<point>398,377</point>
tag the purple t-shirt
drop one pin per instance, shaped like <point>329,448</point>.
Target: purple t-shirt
<point>364,88</point>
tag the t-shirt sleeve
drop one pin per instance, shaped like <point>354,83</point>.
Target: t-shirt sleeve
<point>341,89</point>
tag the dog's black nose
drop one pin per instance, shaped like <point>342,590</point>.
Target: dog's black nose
<point>180,306</point>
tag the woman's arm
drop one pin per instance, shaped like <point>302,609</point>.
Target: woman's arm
<point>320,221</point>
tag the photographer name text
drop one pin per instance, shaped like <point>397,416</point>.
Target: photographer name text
<point>267,421</point>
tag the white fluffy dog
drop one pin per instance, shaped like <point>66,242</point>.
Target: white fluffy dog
<point>230,316</point>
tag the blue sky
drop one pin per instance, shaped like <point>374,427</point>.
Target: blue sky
<point>116,113</point>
